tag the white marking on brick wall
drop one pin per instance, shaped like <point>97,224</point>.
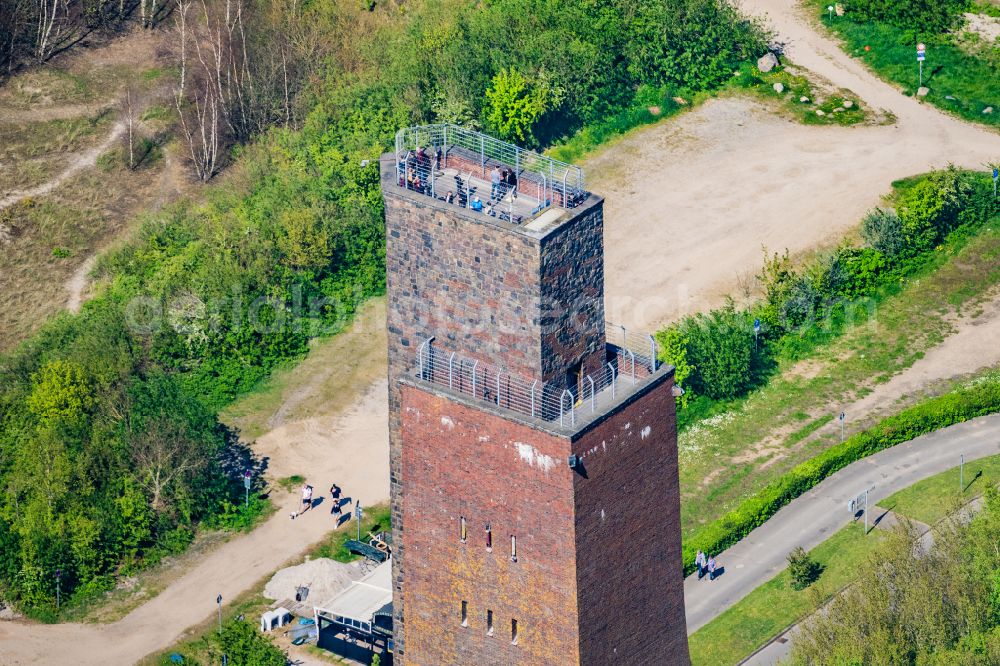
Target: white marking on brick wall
<point>602,515</point>
<point>531,455</point>
<point>604,445</point>
<point>484,438</point>
<point>447,423</point>
<point>628,425</point>
<point>646,432</point>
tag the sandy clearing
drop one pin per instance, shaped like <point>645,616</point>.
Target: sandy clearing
<point>352,449</point>
<point>690,202</point>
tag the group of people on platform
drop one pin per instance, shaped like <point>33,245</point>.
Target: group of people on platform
<point>502,181</point>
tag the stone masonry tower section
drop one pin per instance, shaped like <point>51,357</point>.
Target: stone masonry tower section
<point>533,450</point>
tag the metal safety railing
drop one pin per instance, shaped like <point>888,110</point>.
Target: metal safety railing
<point>422,150</point>
<point>532,398</point>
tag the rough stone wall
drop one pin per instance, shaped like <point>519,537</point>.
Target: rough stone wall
<point>572,281</point>
<point>628,537</point>
<point>464,461</point>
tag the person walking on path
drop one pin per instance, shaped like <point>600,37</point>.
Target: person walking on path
<point>307,498</point>
<point>335,500</point>
<point>699,561</point>
<point>711,568</point>
<point>495,182</point>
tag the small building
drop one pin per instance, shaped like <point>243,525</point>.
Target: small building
<point>358,620</point>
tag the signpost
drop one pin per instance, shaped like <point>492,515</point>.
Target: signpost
<point>756,326</point>
<point>853,505</point>
<point>996,177</point>
<point>247,480</point>
<point>218,600</point>
<point>842,417</point>
<point>961,474</point>
<point>921,55</point>
<point>829,8</point>
<point>58,586</point>
<point>357,517</point>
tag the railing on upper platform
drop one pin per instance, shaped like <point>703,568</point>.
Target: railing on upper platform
<point>423,150</point>
<point>632,362</point>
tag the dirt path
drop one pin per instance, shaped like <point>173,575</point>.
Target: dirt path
<point>353,449</point>
<point>77,284</point>
<point>690,202</point>
<point>78,162</point>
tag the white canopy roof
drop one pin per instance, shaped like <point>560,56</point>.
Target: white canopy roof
<point>364,597</point>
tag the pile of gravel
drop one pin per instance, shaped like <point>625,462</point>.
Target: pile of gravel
<point>325,579</point>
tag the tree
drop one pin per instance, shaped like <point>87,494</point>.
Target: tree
<point>244,645</point>
<point>883,231</point>
<point>60,392</point>
<point>164,452</point>
<point>674,350</point>
<point>129,117</point>
<point>514,105</point>
<point>802,569</point>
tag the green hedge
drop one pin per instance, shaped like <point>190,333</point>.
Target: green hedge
<point>968,402</point>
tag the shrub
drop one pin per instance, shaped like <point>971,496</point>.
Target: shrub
<point>720,349</point>
<point>802,569</point>
<point>926,16</point>
<point>673,347</point>
<point>965,403</point>
<point>883,231</point>
<point>244,645</point>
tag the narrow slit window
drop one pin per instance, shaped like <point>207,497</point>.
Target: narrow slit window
<point>489,623</point>
<point>489,537</point>
<point>465,613</point>
<point>513,548</point>
<point>463,532</point>
<point>513,632</point>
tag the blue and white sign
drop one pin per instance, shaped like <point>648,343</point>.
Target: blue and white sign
<point>921,52</point>
<point>996,174</point>
<point>756,322</point>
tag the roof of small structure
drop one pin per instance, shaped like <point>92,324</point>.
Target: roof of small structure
<point>363,597</point>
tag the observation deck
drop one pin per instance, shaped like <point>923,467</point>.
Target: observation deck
<point>631,368</point>
<point>487,176</point>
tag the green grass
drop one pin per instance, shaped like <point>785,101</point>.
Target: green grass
<point>718,464</point>
<point>796,87</point>
<point>375,519</point>
<point>772,607</point>
<point>932,499</point>
<point>968,75</point>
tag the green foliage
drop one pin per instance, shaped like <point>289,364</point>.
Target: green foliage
<point>802,569</point>
<point>244,645</point>
<point>883,231</point>
<point>376,660</point>
<point>514,105</point>
<point>963,404</point>
<point>673,349</point>
<point>720,350</point>
<point>927,16</point>
<point>930,605</point>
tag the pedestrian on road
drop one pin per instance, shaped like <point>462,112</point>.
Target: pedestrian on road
<point>699,561</point>
<point>335,500</point>
<point>307,498</point>
<point>711,568</point>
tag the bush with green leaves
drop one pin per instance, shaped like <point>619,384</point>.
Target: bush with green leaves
<point>925,16</point>
<point>720,351</point>
<point>802,569</point>
<point>882,230</point>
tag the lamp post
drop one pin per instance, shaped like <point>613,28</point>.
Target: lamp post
<point>842,417</point>
<point>58,586</point>
<point>247,480</point>
<point>218,600</point>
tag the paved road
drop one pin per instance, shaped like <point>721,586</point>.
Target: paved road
<point>811,518</point>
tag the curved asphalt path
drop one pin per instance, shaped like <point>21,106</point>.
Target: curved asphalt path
<point>811,518</point>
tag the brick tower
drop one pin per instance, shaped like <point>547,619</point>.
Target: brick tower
<point>533,448</point>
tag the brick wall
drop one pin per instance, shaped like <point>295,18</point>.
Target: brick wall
<point>463,461</point>
<point>628,538</point>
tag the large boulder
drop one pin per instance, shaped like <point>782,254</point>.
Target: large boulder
<point>922,91</point>
<point>778,87</point>
<point>767,62</point>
